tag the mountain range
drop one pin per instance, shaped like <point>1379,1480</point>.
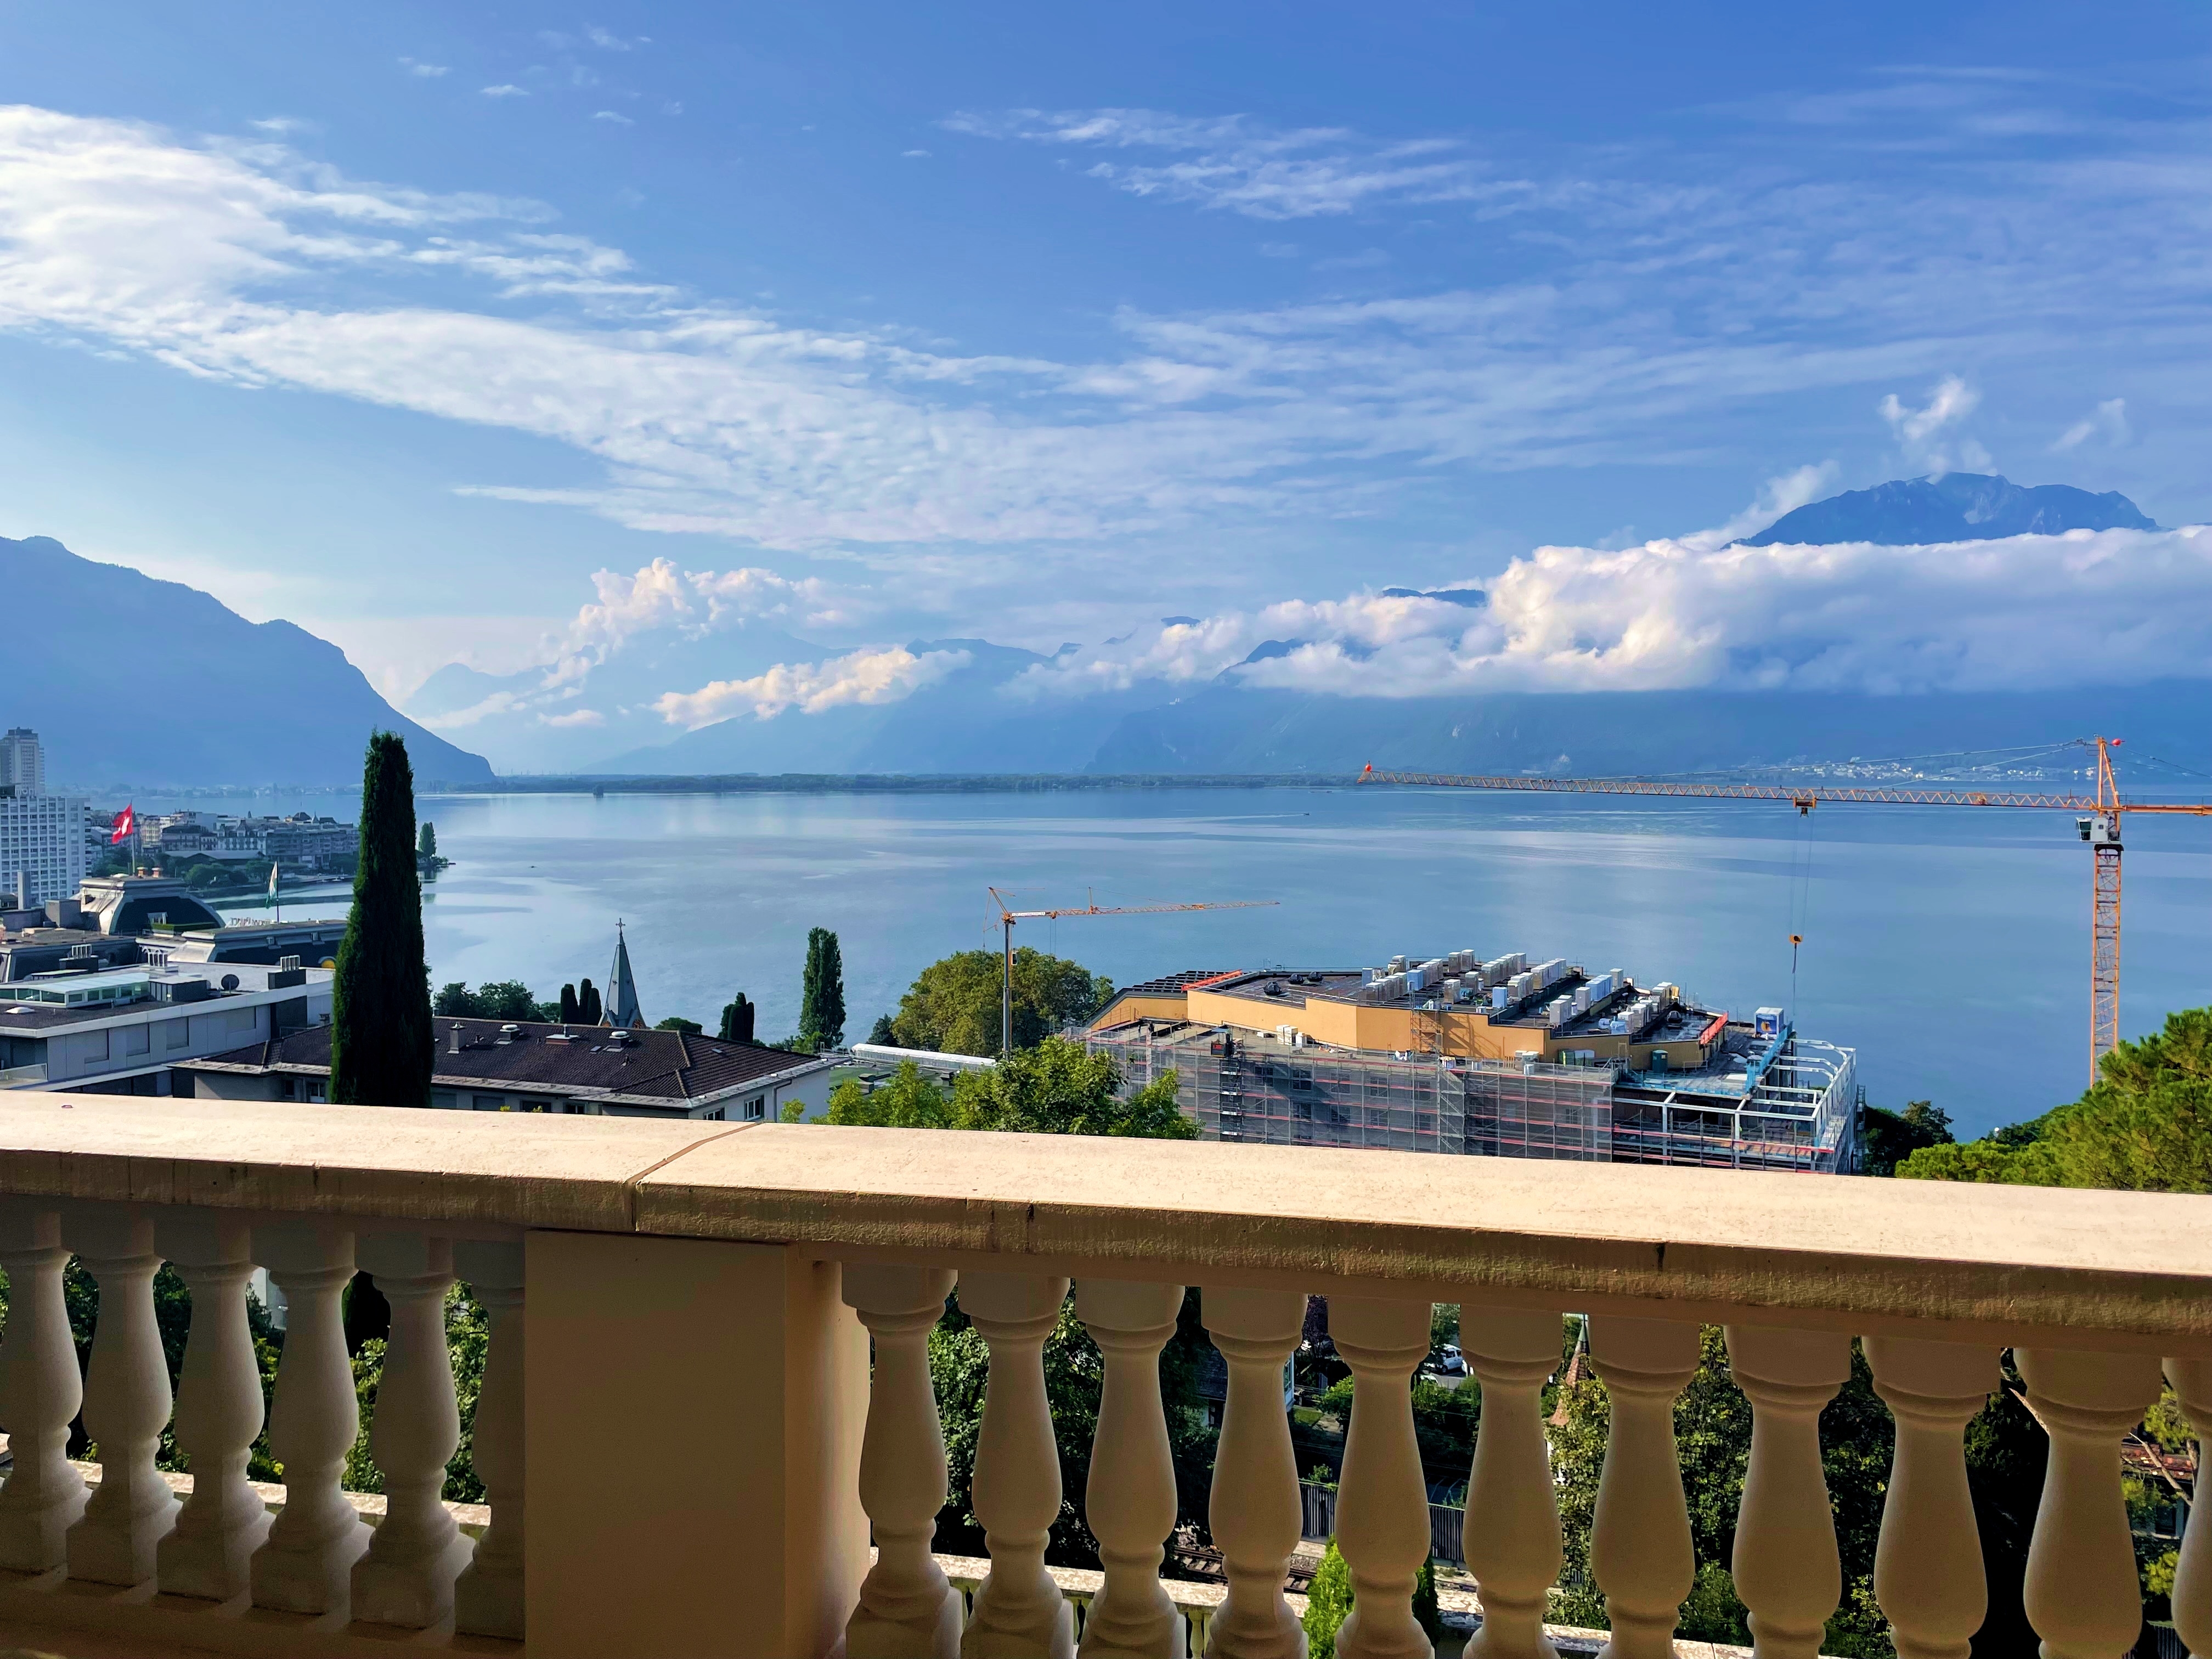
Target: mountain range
<point>129,681</point>
<point>1957,507</point>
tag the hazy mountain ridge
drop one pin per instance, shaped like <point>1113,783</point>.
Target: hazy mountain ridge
<point>130,680</point>
<point>1955,508</point>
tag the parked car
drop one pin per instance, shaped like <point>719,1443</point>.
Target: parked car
<point>1446,1361</point>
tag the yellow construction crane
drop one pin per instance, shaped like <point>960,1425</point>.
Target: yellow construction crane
<point>2099,824</point>
<point>1007,919</point>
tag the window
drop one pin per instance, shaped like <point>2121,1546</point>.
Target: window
<point>240,1019</point>
<point>92,1046</point>
<point>488,1103</point>
<point>136,1039</point>
<point>176,1033</point>
<point>714,1116</point>
<point>442,1099</point>
<point>756,1109</point>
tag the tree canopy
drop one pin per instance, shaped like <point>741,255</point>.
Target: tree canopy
<point>1056,1088</point>
<point>2144,1126</point>
<point>953,1005</point>
<point>496,998</point>
<point>1887,1138</point>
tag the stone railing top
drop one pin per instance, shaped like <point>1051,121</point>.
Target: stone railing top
<point>2002,1263</point>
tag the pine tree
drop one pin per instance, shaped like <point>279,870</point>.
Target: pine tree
<point>587,1004</point>
<point>380,1040</point>
<point>426,844</point>
<point>821,993</point>
<point>737,1020</point>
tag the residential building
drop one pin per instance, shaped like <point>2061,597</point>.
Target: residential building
<point>22,762</point>
<point>486,1066</point>
<point>121,1030</point>
<point>1503,1058</point>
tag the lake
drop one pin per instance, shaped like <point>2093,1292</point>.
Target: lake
<point>1949,947</point>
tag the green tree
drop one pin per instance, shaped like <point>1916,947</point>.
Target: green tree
<point>821,993</point>
<point>1887,1138</point>
<point>569,1009</point>
<point>678,1023</point>
<point>587,1004</point>
<point>738,1016</point>
<point>1426,1612</point>
<point>883,1031</point>
<point>2144,1126</point>
<point>455,1000</point>
<point>380,1040</point>
<point>1328,1603</point>
<point>426,844</point>
<point>953,1005</point>
<point>1056,1088</point>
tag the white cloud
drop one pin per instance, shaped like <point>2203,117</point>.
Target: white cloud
<point>864,677</point>
<point>915,153</point>
<point>585,717</point>
<point>607,40</point>
<point>428,71</point>
<point>279,125</point>
<point>1924,434</point>
<point>505,89</point>
<point>1247,166</point>
<point>2109,421</point>
<point>616,115</point>
<point>2027,611</point>
<point>1780,495</point>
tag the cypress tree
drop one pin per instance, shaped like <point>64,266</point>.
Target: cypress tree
<point>822,993</point>
<point>587,1004</point>
<point>426,844</point>
<point>737,1020</point>
<point>381,1040</point>
<point>571,1010</point>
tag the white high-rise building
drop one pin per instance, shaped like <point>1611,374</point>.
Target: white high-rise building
<point>41,848</point>
<point>42,844</point>
<point>22,762</point>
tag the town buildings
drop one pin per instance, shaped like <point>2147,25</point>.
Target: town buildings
<point>1503,1058</point>
<point>89,1028</point>
<point>598,1071</point>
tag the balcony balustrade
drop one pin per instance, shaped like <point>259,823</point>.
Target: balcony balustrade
<point>707,1427</point>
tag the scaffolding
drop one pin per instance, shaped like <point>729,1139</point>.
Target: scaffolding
<point>1796,1108</point>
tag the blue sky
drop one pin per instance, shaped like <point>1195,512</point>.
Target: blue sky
<point>405,321</point>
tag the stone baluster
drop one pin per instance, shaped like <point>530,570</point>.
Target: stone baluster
<point>1928,1567</point>
<point>1255,1509</point>
<point>1382,1501</point>
<point>1640,1546</point>
<point>1130,1502</point>
<point>126,1404</point>
<point>1511,1533</point>
<point>219,1412</point>
<point>1019,1613</point>
<point>2082,1595</point>
<point>406,1578</point>
<point>306,1564</point>
<point>907,1609</point>
<point>39,1393</point>
<point>1785,1563</point>
<point>487,1596</point>
<point>2192,1580</point>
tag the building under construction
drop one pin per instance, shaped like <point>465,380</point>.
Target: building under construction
<point>1503,1059</point>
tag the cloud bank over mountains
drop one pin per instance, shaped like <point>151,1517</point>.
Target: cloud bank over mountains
<point>2031,612</point>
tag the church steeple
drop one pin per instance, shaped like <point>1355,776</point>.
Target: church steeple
<point>619,1006</point>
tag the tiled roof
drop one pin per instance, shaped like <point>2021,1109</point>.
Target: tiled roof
<point>653,1065</point>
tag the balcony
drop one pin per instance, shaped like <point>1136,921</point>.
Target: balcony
<point>687,1451</point>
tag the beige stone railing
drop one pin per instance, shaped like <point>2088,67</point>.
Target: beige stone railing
<point>687,1449</point>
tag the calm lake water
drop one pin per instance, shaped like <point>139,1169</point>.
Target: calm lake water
<point>1949,947</point>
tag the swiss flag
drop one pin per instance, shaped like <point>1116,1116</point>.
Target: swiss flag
<point>125,822</point>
